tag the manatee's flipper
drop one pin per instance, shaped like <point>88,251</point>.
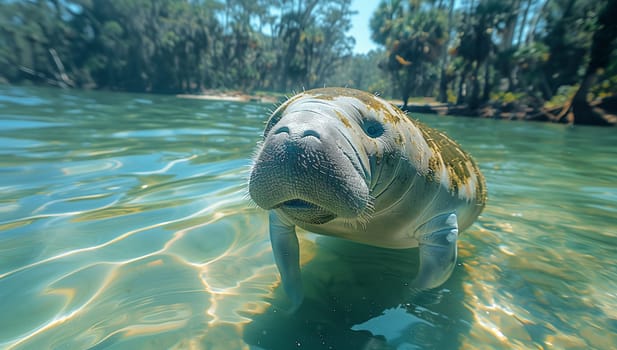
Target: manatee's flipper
<point>437,251</point>
<point>287,257</point>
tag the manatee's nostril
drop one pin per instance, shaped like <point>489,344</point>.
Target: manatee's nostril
<point>296,132</point>
<point>313,133</point>
<point>282,129</point>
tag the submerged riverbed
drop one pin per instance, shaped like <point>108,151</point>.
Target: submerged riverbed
<point>124,224</point>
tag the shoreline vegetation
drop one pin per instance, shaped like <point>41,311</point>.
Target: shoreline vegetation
<point>605,108</point>
<point>234,96</point>
<point>541,60</point>
<point>605,111</point>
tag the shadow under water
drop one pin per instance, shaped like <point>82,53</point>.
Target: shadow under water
<point>358,297</point>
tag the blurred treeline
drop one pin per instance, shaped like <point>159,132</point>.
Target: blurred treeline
<point>474,51</point>
<point>467,52</point>
<point>174,45</point>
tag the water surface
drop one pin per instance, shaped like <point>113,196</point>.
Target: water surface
<point>124,224</point>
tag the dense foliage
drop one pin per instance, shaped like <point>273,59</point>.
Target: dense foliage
<point>470,52</point>
<point>174,45</point>
<point>466,52</point>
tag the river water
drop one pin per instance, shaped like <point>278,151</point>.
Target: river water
<point>124,224</point>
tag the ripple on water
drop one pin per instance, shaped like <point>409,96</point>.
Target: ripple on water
<point>124,224</point>
<point>528,286</point>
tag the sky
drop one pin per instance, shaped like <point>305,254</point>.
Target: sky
<point>360,25</point>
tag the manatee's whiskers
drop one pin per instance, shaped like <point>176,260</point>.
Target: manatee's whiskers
<point>246,196</point>
<point>361,221</point>
<point>256,152</point>
<point>250,202</point>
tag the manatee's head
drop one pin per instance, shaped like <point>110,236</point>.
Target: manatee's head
<point>326,153</point>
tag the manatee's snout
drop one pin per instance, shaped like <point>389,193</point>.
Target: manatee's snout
<point>306,168</point>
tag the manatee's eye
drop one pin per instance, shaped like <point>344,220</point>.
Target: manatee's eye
<point>373,128</point>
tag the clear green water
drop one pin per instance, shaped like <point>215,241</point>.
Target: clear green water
<point>124,225</point>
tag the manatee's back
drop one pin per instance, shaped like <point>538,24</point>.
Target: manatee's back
<point>457,171</point>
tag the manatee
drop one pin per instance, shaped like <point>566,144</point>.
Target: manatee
<point>346,163</point>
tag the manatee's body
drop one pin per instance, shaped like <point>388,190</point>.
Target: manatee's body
<point>345,163</point>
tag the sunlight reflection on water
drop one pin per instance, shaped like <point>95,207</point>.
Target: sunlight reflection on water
<point>124,223</point>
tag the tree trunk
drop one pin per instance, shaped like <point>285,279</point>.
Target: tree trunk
<point>486,92</point>
<point>443,80</point>
<point>460,96</point>
<point>534,23</point>
<point>474,100</point>
<point>583,113</point>
<point>443,87</point>
<point>601,50</point>
<point>510,25</point>
<point>406,86</point>
<point>523,22</point>
<point>547,93</point>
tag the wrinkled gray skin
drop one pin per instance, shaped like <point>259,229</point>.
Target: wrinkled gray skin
<point>345,163</point>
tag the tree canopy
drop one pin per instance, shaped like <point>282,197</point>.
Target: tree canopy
<point>533,50</point>
<point>464,52</point>
<point>174,45</point>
